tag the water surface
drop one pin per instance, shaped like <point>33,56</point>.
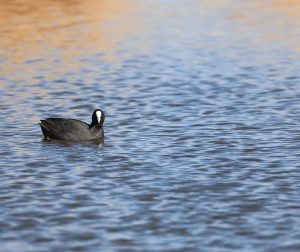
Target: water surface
<point>202,126</point>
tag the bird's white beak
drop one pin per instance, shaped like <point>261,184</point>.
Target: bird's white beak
<point>98,114</point>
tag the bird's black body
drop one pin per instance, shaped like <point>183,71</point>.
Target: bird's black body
<point>74,130</point>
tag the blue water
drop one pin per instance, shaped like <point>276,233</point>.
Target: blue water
<point>201,148</point>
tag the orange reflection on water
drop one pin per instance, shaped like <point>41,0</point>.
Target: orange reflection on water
<point>266,21</point>
<point>29,28</point>
<point>37,26</point>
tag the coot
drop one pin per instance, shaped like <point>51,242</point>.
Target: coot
<point>74,130</point>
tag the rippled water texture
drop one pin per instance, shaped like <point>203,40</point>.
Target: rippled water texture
<point>202,125</point>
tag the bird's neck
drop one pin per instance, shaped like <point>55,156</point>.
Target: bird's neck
<point>98,125</point>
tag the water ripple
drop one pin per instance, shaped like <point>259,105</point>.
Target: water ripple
<point>201,134</point>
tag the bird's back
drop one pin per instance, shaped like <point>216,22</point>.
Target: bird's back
<point>65,129</point>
